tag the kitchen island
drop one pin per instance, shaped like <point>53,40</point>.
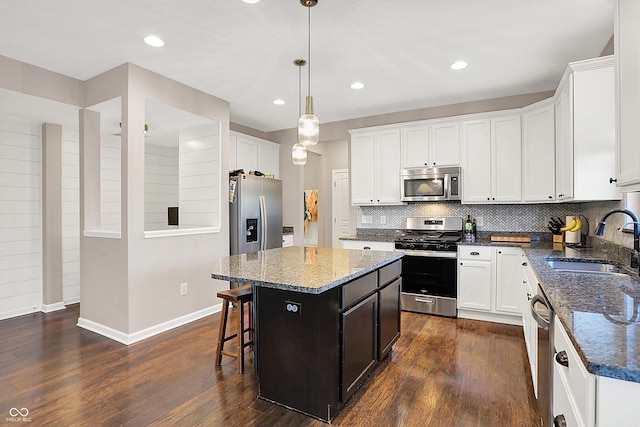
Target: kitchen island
<point>324,319</point>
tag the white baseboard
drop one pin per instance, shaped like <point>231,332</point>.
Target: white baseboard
<point>490,317</point>
<point>73,300</point>
<point>19,312</point>
<point>128,339</point>
<point>48,308</point>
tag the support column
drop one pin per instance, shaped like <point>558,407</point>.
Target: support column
<point>52,296</point>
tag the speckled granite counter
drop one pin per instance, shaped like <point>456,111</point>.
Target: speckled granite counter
<point>301,269</point>
<point>600,313</point>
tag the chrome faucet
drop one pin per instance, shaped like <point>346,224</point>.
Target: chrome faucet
<point>636,241</point>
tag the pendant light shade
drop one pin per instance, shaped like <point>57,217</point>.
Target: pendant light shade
<point>308,124</point>
<point>299,154</point>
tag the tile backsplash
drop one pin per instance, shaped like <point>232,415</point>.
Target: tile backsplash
<point>523,218</point>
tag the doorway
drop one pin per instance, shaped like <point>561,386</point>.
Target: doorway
<point>341,206</point>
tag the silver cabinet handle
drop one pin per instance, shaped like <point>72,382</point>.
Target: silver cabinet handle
<point>562,358</point>
<point>474,253</point>
<point>559,421</point>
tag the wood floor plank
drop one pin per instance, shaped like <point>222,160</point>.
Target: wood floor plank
<point>442,372</point>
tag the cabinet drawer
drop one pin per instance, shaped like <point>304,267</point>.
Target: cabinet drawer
<point>389,272</point>
<point>579,383</point>
<point>475,252</point>
<point>359,288</point>
<point>562,402</point>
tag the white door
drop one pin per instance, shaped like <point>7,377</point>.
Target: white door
<point>340,205</point>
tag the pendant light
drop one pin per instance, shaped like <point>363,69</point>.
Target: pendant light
<point>299,151</point>
<point>308,124</point>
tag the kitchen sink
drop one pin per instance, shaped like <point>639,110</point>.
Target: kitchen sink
<point>586,267</point>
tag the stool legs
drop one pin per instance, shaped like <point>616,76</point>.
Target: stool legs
<point>222,338</point>
<point>221,332</point>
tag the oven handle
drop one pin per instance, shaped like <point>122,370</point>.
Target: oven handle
<point>433,254</point>
<point>423,299</point>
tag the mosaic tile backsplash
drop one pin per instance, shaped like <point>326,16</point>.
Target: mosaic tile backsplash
<point>532,218</point>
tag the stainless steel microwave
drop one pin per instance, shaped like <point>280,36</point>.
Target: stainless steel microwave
<point>430,184</point>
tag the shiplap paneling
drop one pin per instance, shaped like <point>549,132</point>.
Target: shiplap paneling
<point>160,185</point>
<point>110,179</point>
<point>20,218</point>
<point>199,172</point>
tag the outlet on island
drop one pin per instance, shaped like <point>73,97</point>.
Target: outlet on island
<point>183,288</point>
<point>294,307</point>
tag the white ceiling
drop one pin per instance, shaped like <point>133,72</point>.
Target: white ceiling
<point>400,49</point>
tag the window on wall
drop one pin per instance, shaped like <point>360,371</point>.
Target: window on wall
<point>182,172</point>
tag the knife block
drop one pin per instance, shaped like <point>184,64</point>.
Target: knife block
<point>557,238</point>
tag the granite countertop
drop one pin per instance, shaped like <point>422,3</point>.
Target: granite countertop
<point>599,312</point>
<point>301,269</point>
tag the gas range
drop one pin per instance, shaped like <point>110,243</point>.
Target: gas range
<point>430,235</point>
<point>429,267</point>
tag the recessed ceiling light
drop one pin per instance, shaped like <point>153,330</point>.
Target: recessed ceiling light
<point>278,101</point>
<point>458,65</point>
<point>251,1</point>
<point>154,41</point>
<point>357,85</point>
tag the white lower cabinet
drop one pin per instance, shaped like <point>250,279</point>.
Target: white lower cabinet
<point>574,388</point>
<point>366,245</point>
<point>490,283</point>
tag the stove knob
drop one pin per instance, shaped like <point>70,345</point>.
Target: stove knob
<point>412,246</point>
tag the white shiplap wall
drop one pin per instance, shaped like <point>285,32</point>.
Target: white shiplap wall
<point>70,217</point>
<point>110,179</point>
<point>200,177</point>
<point>160,185</point>
<point>20,218</point>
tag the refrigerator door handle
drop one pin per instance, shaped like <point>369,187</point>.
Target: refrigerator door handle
<point>263,223</point>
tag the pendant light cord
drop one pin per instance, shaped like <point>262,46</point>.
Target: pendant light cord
<point>309,50</point>
<point>299,90</point>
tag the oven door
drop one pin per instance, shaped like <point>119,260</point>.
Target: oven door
<point>429,275</point>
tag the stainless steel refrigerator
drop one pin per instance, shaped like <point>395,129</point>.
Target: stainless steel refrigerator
<point>255,213</point>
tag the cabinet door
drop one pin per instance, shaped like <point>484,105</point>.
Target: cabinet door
<point>476,162</point>
<point>269,158</point>
<point>506,155</point>
<point>564,141</point>
<point>359,350</point>
<point>387,170</point>
<point>475,280</point>
<point>594,132</point>
<point>388,317</point>
<point>509,280</point>
<point>627,48</point>
<point>415,147</point>
<point>246,154</point>
<point>529,325</point>
<point>362,169</point>
<point>538,156</point>
<point>445,144</point>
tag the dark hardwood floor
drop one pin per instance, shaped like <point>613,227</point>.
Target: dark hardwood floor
<point>442,372</point>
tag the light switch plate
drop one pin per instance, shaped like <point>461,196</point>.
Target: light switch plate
<point>367,219</point>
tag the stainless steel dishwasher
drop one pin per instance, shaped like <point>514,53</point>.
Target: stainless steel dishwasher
<point>543,314</point>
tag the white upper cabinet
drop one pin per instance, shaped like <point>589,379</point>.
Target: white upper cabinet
<point>538,153</point>
<point>375,167</point>
<point>435,144</point>
<point>251,154</point>
<point>585,132</point>
<point>491,162</point>
<point>627,48</point>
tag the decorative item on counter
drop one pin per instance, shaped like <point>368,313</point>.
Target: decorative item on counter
<point>572,230</point>
<point>468,230</point>
<point>474,230</point>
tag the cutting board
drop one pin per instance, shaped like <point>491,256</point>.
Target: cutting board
<point>510,238</point>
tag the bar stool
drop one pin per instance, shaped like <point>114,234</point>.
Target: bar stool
<point>240,296</point>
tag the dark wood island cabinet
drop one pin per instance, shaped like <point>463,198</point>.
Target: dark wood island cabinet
<point>324,319</point>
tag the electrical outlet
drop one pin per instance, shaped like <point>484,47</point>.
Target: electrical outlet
<point>367,219</point>
<point>183,288</point>
<point>479,221</point>
<point>294,307</point>
<point>383,219</point>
